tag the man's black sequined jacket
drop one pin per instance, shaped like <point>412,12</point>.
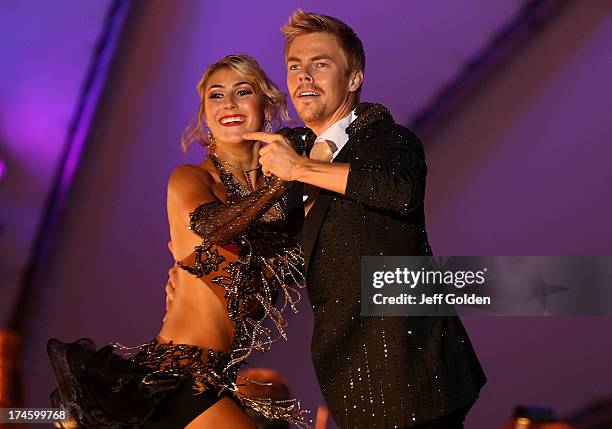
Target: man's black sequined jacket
<point>380,372</point>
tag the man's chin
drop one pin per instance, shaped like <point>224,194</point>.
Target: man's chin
<point>310,115</point>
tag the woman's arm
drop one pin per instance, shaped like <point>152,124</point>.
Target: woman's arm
<point>215,222</point>
<point>188,187</point>
<point>218,223</point>
<point>190,191</point>
<point>195,207</point>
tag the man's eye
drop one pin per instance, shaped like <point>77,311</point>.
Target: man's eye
<point>244,92</point>
<point>321,65</point>
<point>294,67</point>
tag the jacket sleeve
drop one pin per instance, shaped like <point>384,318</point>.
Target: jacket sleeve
<point>391,173</point>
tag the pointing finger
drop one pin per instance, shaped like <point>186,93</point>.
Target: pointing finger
<point>264,150</point>
<point>261,136</point>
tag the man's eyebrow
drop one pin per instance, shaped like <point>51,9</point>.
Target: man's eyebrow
<point>315,58</point>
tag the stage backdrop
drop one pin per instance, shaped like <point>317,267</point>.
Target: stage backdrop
<point>520,170</point>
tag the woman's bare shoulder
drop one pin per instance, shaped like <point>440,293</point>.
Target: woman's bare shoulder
<point>187,175</point>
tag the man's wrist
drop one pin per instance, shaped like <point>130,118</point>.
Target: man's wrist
<point>301,168</point>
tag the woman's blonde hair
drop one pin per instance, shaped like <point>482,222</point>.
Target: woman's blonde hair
<point>275,111</point>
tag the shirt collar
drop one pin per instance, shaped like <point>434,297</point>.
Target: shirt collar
<point>337,132</point>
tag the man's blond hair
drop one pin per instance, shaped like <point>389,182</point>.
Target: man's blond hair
<point>301,23</point>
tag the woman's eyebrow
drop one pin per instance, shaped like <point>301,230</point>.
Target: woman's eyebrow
<point>234,85</point>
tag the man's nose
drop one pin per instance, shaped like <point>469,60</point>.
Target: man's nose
<point>305,76</point>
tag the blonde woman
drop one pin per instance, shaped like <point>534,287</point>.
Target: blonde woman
<point>231,235</point>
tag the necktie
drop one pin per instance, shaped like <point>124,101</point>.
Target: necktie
<point>322,150</point>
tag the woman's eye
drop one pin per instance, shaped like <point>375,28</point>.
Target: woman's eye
<point>215,95</point>
<point>244,92</point>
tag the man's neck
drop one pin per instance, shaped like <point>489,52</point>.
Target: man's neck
<point>319,127</point>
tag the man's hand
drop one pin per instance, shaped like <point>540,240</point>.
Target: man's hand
<point>322,417</point>
<point>277,157</point>
<point>172,273</point>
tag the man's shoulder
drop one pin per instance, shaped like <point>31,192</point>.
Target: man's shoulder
<point>403,132</point>
<point>382,124</point>
<point>394,132</point>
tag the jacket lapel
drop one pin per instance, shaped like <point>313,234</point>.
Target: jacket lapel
<point>316,215</point>
<point>368,114</point>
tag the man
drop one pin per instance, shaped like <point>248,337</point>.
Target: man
<point>375,372</point>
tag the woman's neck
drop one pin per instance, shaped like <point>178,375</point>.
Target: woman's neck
<point>244,155</point>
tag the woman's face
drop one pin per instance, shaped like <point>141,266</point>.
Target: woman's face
<point>232,107</point>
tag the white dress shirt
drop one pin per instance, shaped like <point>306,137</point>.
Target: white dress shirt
<point>335,137</point>
<point>337,133</point>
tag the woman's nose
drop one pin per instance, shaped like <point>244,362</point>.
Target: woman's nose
<point>230,103</point>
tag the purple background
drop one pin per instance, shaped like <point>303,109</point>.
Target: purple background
<point>521,169</point>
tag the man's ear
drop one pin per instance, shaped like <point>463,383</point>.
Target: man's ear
<point>355,81</point>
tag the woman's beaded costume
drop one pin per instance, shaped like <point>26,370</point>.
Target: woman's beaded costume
<point>120,387</point>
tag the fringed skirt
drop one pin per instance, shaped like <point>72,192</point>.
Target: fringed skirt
<point>156,385</point>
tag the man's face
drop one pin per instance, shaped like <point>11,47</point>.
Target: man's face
<point>317,80</point>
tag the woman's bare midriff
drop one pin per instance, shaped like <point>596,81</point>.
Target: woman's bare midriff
<point>197,316</point>
<point>198,313</point>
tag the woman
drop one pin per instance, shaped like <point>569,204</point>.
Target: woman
<point>239,224</point>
